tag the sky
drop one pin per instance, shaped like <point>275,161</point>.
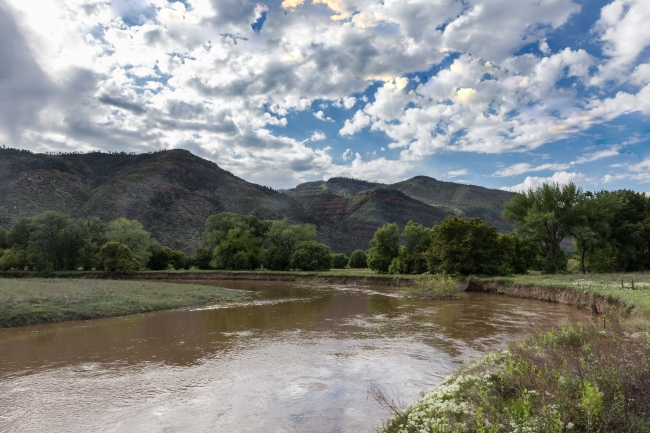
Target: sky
<point>500,93</point>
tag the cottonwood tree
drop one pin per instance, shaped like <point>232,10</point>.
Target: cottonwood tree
<point>546,216</point>
<point>284,238</point>
<point>384,248</point>
<point>132,234</point>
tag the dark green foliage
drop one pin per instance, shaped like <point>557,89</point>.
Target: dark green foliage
<point>469,247</point>
<point>417,240</point>
<point>202,259</point>
<point>179,260</point>
<point>629,224</point>
<point>384,248</point>
<point>217,227</point>
<point>311,256</point>
<point>3,239</point>
<point>339,261</point>
<point>117,257</point>
<point>284,238</point>
<point>546,216</point>
<point>160,257</point>
<point>240,249</point>
<point>276,259</point>
<point>358,260</point>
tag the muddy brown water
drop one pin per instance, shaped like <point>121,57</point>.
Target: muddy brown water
<point>292,358</point>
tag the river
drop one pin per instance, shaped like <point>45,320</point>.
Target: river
<point>291,358</point>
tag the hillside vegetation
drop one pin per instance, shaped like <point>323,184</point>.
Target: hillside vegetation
<point>172,193</point>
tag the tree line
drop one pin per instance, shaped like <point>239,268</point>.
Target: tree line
<point>610,232</point>
<point>53,241</point>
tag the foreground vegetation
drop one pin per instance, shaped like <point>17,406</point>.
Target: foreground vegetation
<point>35,301</point>
<point>575,378</point>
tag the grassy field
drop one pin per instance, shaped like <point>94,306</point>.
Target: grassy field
<point>34,301</point>
<point>602,284</point>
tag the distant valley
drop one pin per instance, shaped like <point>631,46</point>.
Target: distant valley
<point>173,192</point>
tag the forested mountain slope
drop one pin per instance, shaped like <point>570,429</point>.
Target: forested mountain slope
<point>173,192</point>
<point>453,198</point>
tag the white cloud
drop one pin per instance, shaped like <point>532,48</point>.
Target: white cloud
<point>560,177</point>
<point>148,74</point>
<point>318,136</point>
<point>321,116</point>
<point>358,122</point>
<point>456,173</point>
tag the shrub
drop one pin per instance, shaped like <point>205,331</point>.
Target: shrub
<point>339,261</point>
<point>311,256</point>
<point>434,287</point>
<point>117,257</point>
<point>358,260</point>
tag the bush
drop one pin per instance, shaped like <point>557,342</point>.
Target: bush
<point>160,257</point>
<point>117,257</point>
<point>311,256</point>
<point>434,287</point>
<point>339,261</point>
<point>358,260</point>
<point>277,259</point>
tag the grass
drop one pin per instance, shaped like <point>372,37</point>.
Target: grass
<point>35,301</point>
<point>608,285</point>
<point>574,378</point>
<point>432,287</point>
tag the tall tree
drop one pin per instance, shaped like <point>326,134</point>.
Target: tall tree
<point>546,215</point>
<point>284,239</point>
<point>384,248</point>
<point>240,249</point>
<point>132,234</point>
<point>417,240</point>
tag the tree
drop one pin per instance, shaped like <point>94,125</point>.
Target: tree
<point>202,259</point>
<point>117,257</point>
<point>358,260</point>
<point>92,233</point>
<point>18,236</point>
<point>384,248</point>
<point>218,225</point>
<point>240,249</point>
<point>311,256</point>
<point>132,234</point>
<point>339,261</point>
<point>160,257</point>
<point>592,226</point>
<point>179,260</point>
<point>546,216</point>
<point>48,240</point>
<point>284,239</point>
<point>417,240</point>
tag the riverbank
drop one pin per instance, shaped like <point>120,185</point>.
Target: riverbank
<point>333,276</point>
<point>36,301</point>
<point>598,292</point>
<point>582,377</point>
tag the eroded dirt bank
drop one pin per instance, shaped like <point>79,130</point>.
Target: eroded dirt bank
<point>596,303</point>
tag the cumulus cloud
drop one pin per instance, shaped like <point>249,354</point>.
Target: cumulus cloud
<point>220,77</point>
<point>456,173</point>
<point>560,177</point>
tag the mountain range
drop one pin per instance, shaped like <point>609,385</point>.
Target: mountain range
<point>173,192</point>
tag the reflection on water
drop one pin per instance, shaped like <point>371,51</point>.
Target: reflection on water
<point>292,358</point>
